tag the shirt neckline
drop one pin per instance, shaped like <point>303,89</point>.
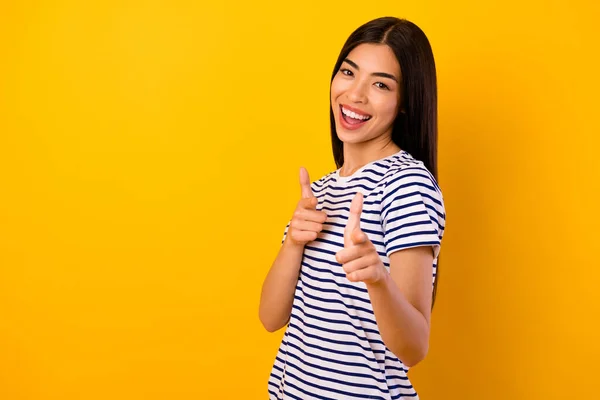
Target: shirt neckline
<point>346,179</point>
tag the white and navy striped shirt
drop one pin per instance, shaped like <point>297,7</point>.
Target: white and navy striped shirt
<point>332,348</point>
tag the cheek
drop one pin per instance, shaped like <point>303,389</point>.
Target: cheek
<point>387,108</point>
<point>338,86</point>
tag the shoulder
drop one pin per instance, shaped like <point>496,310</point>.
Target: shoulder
<point>407,180</point>
<point>407,172</point>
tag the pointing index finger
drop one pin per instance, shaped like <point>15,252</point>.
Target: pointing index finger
<point>305,184</point>
<point>353,218</point>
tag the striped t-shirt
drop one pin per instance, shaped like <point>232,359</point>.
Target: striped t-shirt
<point>332,348</point>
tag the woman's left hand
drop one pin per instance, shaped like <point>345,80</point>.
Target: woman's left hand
<point>359,258</point>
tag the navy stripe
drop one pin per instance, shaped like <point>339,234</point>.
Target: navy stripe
<point>415,233</point>
<point>363,178</point>
<point>323,251</point>
<point>331,242</point>
<point>335,331</point>
<point>345,189</point>
<point>338,381</point>
<point>406,225</point>
<point>328,311</point>
<point>334,233</point>
<point>340,342</point>
<point>374,212</point>
<point>375,233</point>
<point>341,246</point>
<point>298,388</point>
<point>410,205</point>
<point>337,361</point>
<point>277,367</point>
<point>408,215</point>
<point>332,253</point>
<point>423,174</point>
<point>373,171</point>
<point>333,321</point>
<point>274,375</point>
<point>396,368</point>
<point>400,395</point>
<point>336,244</point>
<point>365,202</point>
<point>339,284</point>
<point>399,386</point>
<point>325,389</point>
<point>323,180</point>
<point>405,378</point>
<point>321,260</point>
<point>293,396</point>
<point>413,214</point>
<point>345,295</point>
<point>287,394</point>
<point>415,187</point>
<point>362,220</point>
<point>398,204</point>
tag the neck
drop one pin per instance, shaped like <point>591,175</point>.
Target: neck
<point>357,155</point>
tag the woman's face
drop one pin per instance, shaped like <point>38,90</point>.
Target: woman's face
<point>365,93</point>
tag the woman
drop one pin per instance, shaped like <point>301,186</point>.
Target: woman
<point>354,280</point>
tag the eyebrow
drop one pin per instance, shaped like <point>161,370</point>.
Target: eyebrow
<point>380,74</point>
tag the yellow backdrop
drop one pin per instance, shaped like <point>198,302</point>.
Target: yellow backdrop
<point>149,155</point>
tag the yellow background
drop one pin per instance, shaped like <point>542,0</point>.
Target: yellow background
<point>149,156</point>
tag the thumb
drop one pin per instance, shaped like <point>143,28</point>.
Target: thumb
<point>305,184</point>
<point>353,219</point>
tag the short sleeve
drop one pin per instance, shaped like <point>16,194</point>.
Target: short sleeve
<point>412,211</point>
<point>285,231</point>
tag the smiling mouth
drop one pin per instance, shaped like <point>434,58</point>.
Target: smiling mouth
<point>352,118</point>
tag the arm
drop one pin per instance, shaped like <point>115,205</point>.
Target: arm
<point>402,304</point>
<point>401,298</point>
<point>278,288</point>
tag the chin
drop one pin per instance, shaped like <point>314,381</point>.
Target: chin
<point>350,137</point>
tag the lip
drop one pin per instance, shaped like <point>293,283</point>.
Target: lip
<point>356,110</point>
<point>347,126</point>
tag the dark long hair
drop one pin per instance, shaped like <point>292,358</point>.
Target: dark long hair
<point>415,127</point>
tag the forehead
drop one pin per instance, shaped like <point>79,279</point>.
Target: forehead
<point>375,58</point>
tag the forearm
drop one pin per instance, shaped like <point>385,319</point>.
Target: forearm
<point>278,288</point>
<point>403,328</point>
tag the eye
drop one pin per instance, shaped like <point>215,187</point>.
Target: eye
<point>346,72</point>
<point>381,85</point>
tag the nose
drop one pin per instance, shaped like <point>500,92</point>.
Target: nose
<point>357,93</point>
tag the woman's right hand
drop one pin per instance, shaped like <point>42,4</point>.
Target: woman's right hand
<point>306,222</point>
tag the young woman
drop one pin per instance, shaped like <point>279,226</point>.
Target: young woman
<point>354,280</point>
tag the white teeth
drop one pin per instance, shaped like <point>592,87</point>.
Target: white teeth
<point>354,115</point>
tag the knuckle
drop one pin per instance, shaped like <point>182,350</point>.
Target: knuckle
<point>374,258</point>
